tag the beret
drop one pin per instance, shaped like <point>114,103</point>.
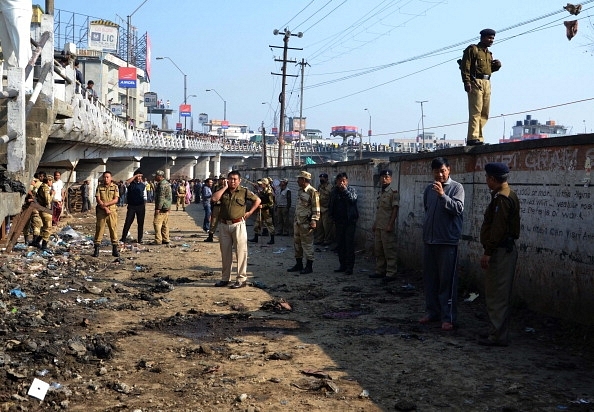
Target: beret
<point>159,173</point>
<point>496,169</point>
<point>386,172</point>
<point>487,32</point>
<point>305,175</point>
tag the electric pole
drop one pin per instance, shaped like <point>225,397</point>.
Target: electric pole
<point>281,130</point>
<point>264,154</point>
<point>302,64</point>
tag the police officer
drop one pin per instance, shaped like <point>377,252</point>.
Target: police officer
<point>44,198</point>
<point>477,66</point>
<point>107,196</point>
<point>163,201</point>
<point>215,209</point>
<point>500,229</point>
<point>325,229</point>
<point>383,228</point>
<point>34,223</point>
<point>233,200</point>
<point>181,196</point>
<point>307,215</point>
<point>264,218</point>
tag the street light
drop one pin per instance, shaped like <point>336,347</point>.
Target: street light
<point>185,85</point>
<point>274,111</point>
<point>129,50</point>
<point>224,103</point>
<point>192,117</point>
<point>423,120</point>
<point>369,131</point>
<point>502,115</point>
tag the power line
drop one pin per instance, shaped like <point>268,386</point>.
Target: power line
<point>295,16</point>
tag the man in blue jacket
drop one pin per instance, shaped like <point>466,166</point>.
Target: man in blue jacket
<point>443,201</point>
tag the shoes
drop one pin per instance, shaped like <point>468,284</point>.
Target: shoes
<point>165,243</point>
<point>490,342</point>
<point>340,270</point>
<point>221,283</point>
<point>377,276</point>
<point>238,285</point>
<point>348,272</point>
<point>209,239</point>
<point>447,326</point>
<point>155,243</point>
<point>474,143</point>
<point>426,319</point>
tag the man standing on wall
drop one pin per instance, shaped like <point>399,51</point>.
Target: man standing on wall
<point>477,66</point>
<point>443,201</point>
<point>107,196</point>
<point>163,201</point>
<point>136,206</point>
<point>500,229</point>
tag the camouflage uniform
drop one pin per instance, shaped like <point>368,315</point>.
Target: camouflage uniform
<point>265,218</point>
<point>34,223</point>
<point>324,233</point>
<point>163,201</point>
<point>44,198</point>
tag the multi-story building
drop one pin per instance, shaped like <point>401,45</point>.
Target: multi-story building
<point>530,129</point>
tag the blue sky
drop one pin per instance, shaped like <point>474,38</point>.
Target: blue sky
<point>224,46</point>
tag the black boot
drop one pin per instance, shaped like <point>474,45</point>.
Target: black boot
<point>271,241</point>
<point>43,245</point>
<point>36,242</point>
<point>307,269</point>
<point>209,238</point>
<point>114,251</point>
<point>255,239</point>
<point>96,252</point>
<point>298,266</point>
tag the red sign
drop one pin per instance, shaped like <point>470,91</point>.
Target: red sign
<point>185,110</point>
<point>178,126</point>
<point>225,124</point>
<point>127,77</point>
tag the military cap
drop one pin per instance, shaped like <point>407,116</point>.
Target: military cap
<point>496,169</point>
<point>304,174</point>
<point>160,173</point>
<point>324,175</point>
<point>487,32</point>
<point>259,181</point>
<point>386,172</point>
<point>284,180</point>
<point>222,176</point>
<point>265,180</point>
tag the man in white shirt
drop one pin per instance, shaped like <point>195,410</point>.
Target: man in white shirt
<point>59,194</point>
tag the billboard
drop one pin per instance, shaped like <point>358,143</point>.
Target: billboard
<point>203,118</point>
<point>127,77</point>
<point>185,110</point>
<point>103,36</point>
<point>117,108</point>
<point>150,99</point>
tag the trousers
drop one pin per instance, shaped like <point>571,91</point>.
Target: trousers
<point>441,282</point>
<point>138,211</point>
<point>479,101</point>
<point>229,236</point>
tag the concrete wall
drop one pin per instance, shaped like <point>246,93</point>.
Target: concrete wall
<point>555,273</point>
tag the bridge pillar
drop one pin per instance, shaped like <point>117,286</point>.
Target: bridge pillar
<point>217,164</point>
<point>202,168</point>
<point>183,168</point>
<point>122,169</point>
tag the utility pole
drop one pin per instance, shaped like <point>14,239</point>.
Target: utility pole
<point>281,130</point>
<point>423,120</point>
<point>264,160</point>
<point>302,64</point>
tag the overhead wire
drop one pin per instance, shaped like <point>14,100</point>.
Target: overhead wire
<point>295,16</point>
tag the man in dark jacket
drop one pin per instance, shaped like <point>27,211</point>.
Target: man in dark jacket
<point>344,212</point>
<point>444,204</point>
<point>136,205</point>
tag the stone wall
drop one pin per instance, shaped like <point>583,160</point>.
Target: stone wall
<point>555,272</point>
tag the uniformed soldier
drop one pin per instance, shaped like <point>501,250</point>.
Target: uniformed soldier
<point>264,218</point>
<point>33,225</point>
<point>500,229</point>
<point>477,66</point>
<point>163,201</point>
<point>107,196</point>
<point>324,233</point>
<point>181,196</point>
<point>44,198</point>
<point>283,203</point>
<point>215,209</point>
<point>383,228</point>
<point>307,215</point>
<point>233,200</point>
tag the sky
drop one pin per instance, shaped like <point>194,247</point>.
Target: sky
<point>381,55</point>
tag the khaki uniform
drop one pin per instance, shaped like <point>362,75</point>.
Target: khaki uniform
<point>163,205</point>
<point>385,242</point>
<point>501,226</point>
<point>324,232</point>
<point>477,67</point>
<point>34,224</point>
<point>233,231</point>
<point>307,209</point>
<point>181,197</point>
<point>44,198</point>
<point>265,213</point>
<point>107,194</point>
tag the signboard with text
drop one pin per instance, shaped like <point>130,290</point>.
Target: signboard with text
<point>117,108</point>
<point>178,126</point>
<point>127,77</point>
<point>225,124</point>
<point>150,99</point>
<point>185,110</point>
<point>103,36</point>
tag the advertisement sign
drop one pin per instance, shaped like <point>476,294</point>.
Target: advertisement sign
<point>275,131</point>
<point>103,36</point>
<point>203,118</point>
<point>150,99</point>
<point>127,77</point>
<point>178,126</point>
<point>185,110</point>
<point>117,108</point>
<point>225,124</point>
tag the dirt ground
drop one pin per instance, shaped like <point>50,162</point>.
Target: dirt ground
<point>149,332</point>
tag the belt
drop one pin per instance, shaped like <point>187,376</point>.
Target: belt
<point>232,221</point>
<point>483,77</point>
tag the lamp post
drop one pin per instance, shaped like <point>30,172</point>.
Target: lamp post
<point>185,85</point>
<point>502,115</point>
<point>224,103</point>
<point>274,111</point>
<point>423,120</point>
<point>368,131</point>
<point>192,117</point>
<point>129,49</point>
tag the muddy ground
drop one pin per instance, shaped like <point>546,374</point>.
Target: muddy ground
<point>149,332</point>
